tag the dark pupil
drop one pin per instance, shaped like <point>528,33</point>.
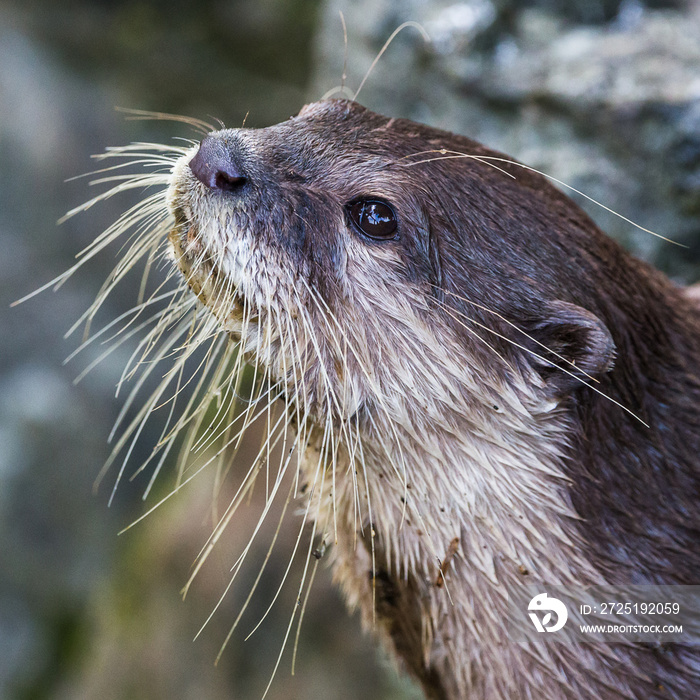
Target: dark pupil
<point>375,219</point>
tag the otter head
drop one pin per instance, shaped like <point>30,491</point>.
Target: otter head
<point>354,253</point>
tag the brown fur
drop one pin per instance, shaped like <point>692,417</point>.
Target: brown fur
<point>456,367</point>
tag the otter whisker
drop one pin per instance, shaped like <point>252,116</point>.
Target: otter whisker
<point>193,343</point>
<point>105,239</point>
<point>268,352</point>
<point>145,181</point>
<point>150,261</point>
<point>113,343</point>
<point>113,279</point>
<point>186,481</point>
<point>221,469</point>
<point>313,492</point>
<point>446,154</point>
<point>140,248</point>
<point>343,77</point>
<point>179,330</point>
<point>547,361</point>
<point>138,424</point>
<point>145,162</point>
<point>295,648</point>
<point>141,114</point>
<point>341,89</point>
<point>475,335</point>
<point>330,395</point>
<point>204,401</point>
<point>178,314</point>
<point>520,330</point>
<point>351,465</point>
<point>162,444</point>
<point>148,146</point>
<point>253,587</point>
<point>145,412</point>
<point>322,458</point>
<point>317,557</point>
<point>246,484</point>
<point>136,311</point>
<point>376,393</point>
<point>246,420</point>
<point>230,384</point>
<point>133,183</point>
<point>387,43</point>
<point>142,355</point>
<point>237,437</point>
<point>290,404</point>
<point>301,388</point>
<point>324,450</point>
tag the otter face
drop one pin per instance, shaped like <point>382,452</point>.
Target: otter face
<point>328,240</point>
<point>305,247</point>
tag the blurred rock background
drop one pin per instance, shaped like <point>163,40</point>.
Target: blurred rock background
<point>602,94</point>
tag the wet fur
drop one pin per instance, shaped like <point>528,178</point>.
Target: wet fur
<point>447,379</point>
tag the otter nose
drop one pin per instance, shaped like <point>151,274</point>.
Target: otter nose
<point>214,166</point>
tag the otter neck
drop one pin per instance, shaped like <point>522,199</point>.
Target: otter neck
<point>504,495</point>
<point>493,508</point>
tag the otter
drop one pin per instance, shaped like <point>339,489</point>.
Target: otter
<point>485,390</point>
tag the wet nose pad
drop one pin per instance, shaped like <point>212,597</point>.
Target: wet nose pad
<point>214,166</point>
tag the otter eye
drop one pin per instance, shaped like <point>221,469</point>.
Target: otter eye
<point>373,217</point>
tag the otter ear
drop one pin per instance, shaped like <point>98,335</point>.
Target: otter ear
<point>572,345</point>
